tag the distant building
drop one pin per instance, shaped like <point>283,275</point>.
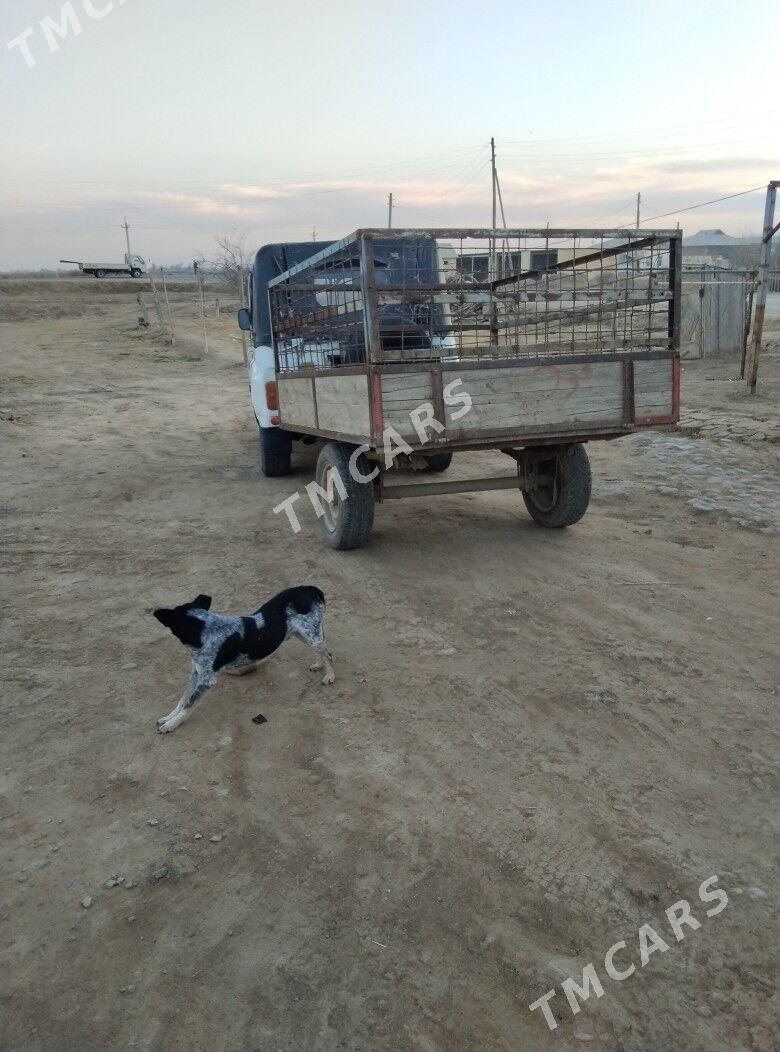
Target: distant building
<point>716,246</point>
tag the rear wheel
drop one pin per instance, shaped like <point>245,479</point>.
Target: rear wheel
<point>437,461</point>
<point>99,273</point>
<point>348,508</point>
<point>275,452</point>
<point>563,497</point>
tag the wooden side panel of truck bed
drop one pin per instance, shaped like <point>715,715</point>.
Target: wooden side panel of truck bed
<point>508,400</point>
<point>590,395</point>
<point>334,405</point>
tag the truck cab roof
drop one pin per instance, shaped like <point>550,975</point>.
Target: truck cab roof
<point>270,261</point>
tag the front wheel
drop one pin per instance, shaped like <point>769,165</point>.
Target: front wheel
<point>564,495</point>
<point>135,273</point>
<point>275,452</point>
<point>347,502</point>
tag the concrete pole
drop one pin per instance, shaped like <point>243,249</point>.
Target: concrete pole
<point>126,227</point>
<point>492,256</point>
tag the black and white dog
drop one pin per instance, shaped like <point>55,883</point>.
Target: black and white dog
<point>218,643</point>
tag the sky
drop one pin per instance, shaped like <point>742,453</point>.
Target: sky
<point>267,120</point>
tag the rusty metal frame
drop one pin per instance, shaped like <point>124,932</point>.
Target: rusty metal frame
<point>432,489</point>
<point>628,393</point>
<point>626,351</point>
<point>474,365</point>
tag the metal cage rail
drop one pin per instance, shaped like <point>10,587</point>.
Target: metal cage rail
<point>390,297</point>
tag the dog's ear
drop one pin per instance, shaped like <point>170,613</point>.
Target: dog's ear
<point>184,622</point>
<point>200,602</point>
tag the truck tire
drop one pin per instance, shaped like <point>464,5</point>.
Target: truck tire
<point>275,452</point>
<point>437,461</point>
<point>346,522</point>
<point>135,273</point>
<point>99,273</point>
<point>566,500</point>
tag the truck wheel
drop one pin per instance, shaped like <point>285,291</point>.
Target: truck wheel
<point>135,273</point>
<point>565,499</point>
<point>99,273</point>
<point>347,520</point>
<point>275,452</point>
<point>437,461</point>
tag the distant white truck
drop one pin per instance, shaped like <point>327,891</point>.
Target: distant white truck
<point>135,266</point>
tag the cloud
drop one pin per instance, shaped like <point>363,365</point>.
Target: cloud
<point>176,223</point>
<point>262,192</point>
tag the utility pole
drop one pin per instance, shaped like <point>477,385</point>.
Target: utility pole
<point>505,257</point>
<point>492,257</point>
<point>126,227</point>
<point>389,211</point>
<point>492,254</point>
<point>314,233</point>
<point>751,371</point>
<point>638,203</point>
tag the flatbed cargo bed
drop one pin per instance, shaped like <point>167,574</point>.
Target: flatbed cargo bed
<point>603,361</point>
<point>518,340</point>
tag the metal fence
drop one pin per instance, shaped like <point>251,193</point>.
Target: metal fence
<point>395,296</point>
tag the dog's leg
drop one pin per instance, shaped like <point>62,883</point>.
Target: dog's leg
<point>312,634</point>
<point>200,682</point>
<point>180,704</point>
<point>327,661</point>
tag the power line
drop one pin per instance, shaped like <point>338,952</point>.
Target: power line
<point>640,131</point>
<point>703,204</point>
<point>389,166</point>
<point>639,152</point>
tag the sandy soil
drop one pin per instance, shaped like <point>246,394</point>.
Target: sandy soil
<point>536,743</point>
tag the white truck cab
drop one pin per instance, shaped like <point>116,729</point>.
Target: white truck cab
<point>270,260</point>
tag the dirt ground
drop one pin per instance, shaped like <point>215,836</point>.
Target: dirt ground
<point>537,741</point>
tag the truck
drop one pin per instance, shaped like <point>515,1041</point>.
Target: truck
<point>133,265</point>
<point>398,348</point>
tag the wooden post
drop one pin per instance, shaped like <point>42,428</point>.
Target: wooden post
<point>748,316</point>
<point>241,293</point>
<point>143,321</point>
<point>751,366</point>
<point>157,307</point>
<point>203,313</point>
<point>168,306</point>
<point>702,292</point>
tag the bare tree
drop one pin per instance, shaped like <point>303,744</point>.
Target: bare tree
<point>231,260</point>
